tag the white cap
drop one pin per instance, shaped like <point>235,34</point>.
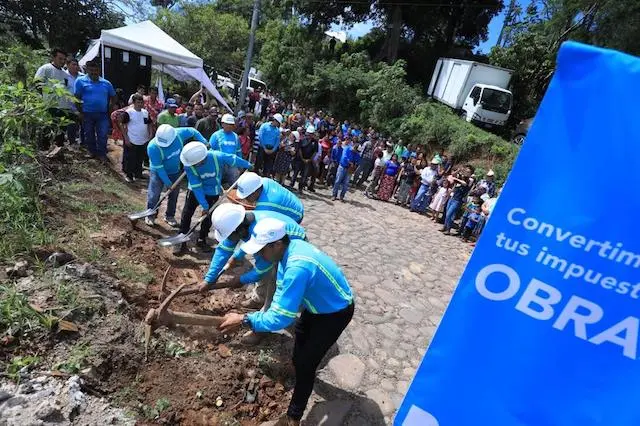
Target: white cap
<point>226,219</point>
<point>165,135</point>
<point>193,153</point>
<point>296,134</point>
<point>491,173</point>
<point>278,117</point>
<point>266,231</point>
<point>311,129</point>
<point>248,183</point>
<point>228,119</point>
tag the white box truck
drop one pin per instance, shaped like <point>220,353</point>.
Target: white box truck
<point>478,92</point>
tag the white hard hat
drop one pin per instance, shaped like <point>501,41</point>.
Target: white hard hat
<point>226,219</point>
<point>165,135</point>
<point>193,153</point>
<point>311,129</point>
<point>266,231</point>
<point>248,183</point>
<point>228,119</point>
<point>278,118</point>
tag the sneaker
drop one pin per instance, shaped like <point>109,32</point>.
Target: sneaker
<point>150,221</point>
<point>129,179</point>
<point>171,222</point>
<point>203,246</point>
<point>334,198</point>
<point>251,304</point>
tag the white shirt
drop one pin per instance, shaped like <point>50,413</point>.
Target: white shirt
<point>138,131</point>
<point>427,175</point>
<point>48,73</point>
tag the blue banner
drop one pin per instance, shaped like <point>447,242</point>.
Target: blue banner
<point>543,326</point>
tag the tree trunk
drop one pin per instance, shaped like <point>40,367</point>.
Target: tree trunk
<point>395,31</point>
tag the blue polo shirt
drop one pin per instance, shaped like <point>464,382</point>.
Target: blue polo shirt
<point>275,197</point>
<point>269,136</point>
<point>349,156</point>
<point>94,94</point>
<point>227,142</point>
<point>165,162</point>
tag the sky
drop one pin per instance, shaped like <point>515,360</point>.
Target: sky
<point>360,29</point>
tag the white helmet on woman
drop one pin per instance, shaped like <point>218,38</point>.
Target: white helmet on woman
<point>193,153</point>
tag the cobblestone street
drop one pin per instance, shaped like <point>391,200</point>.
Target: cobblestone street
<point>403,272</point>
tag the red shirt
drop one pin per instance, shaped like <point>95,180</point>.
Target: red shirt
<point>245,144</point>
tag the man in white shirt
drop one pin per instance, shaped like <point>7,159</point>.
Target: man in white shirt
<point>423,197</point>
<point>137,130</point>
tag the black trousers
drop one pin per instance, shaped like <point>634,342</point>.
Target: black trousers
<point>306,170</point>
<point>190,205</point>
<point>315,334</point>
<point>132,158</point>
<point>264,162</point>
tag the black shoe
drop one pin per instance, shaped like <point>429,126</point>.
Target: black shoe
<point>203,246</point>
<point>311,190</point>
<point>180,250</point>
<point>141,177</point>
<point>129,179</point>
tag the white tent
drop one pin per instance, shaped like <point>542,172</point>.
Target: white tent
<point>168,55</point>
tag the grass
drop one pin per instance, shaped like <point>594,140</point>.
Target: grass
<point>153,412</point>
<point>76,360</point>
<point>17,363</point>
<point>18,318</point>
<point>127,270</point>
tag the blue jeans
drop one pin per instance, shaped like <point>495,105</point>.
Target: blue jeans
<point>96,129</point>
<point>450,213</point>
<point>342,180</point>
<point>153,194</point>
<point>422,199</point>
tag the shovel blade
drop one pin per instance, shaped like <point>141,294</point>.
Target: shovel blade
<point>142,215</point>
<point>175,240</point>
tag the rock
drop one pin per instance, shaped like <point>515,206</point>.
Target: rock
<point>58,259</point>
<point>389,373</point>
<point>25,388</point>
<point>329,413</point>
<point>393,363</point>
<point>387,384</point>
<point>402,387</point>
<point>266,381</point>
<point>15,401</point>
<point>90,372</point>
<point>373,364</point>
<point>411,315</point>
<point>408,372</point>
<point>46,411</point>
<point>348,370</point>
<point>19,270</point>
<point>4,395</point>
<point>379,402</point>
<point>224,351</point>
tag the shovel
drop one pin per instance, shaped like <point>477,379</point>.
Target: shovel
<point>183,238</point>
<point>150,212</point>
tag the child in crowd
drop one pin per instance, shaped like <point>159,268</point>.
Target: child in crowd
<point>378,168</point>
<point>472,220</point>
<point>439,201</point>
<point>407,178</point>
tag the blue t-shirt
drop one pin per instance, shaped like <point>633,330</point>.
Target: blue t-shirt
<point>269,136</point>
<point>349,156</point>
<point>94,94</point>
<point>275,197</point>
<point>227,142</point>
<point>392,168</point>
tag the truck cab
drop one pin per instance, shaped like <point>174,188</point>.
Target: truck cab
<point>487,106</point>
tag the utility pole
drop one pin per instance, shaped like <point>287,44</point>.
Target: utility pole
<point>247,64</point>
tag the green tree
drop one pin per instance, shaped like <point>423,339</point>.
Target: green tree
<point>220,39</point>
<point>68,24</point>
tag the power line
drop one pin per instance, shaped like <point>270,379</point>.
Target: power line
<point>405,3</point>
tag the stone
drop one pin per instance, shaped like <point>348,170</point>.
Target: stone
<point>348,370</point>
<point>329,413</point>
<point>15,401</point>
<point>437,303</point>
<point>399,353</point>
<point>416,268</point>
<point>372,363</point>
<point>411,315</point>
<point>58,259</point>
<point>389,373</point>
<point>379,401</point>
<point>387,385</point>
<point>408,372</point>
<point>46,411</point>
<point>4,395</point>
<point>402,386</point>
<point>393,363</point>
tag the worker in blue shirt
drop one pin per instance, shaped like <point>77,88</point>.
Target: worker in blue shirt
<point>306,277</point>
<point>233,225</point>
<point>227,141</point>
<point>164,165</point>
<point>267,194</point>
<point>203,168</point>
<point>336,154</point>
<point>269,137</point>
<point>348,161</point>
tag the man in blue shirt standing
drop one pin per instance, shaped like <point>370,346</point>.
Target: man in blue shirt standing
<point>164,164</point>
<point>269,136</point>
<point>203,168</point>
<point>348,161</point>
<point>227,141</point>
<point>306,277</point>
<point>95,95</point>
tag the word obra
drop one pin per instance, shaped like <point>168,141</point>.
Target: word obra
<point>540,301</point>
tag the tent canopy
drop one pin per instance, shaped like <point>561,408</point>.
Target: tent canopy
<point>167,54</point>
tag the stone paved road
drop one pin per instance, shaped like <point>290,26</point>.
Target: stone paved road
<point>403,272</point>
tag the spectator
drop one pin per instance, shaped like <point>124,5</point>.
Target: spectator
<point>245,142</point>
<point>153,105</point>
<point>184,117</point>
<point>269,136</point>
<point>208,125</point>
<point>169,116</point>
<point>139,91</point>
<point>471,222</point>
<point>407,176</point>
<point>198,113</point>
<point>52,74</point>
<point>488,184</point>
<point>366,164</point>
<point>303,163</point>
<point>388,181</point>
<point>95,94</point>
<point>439,201</point>
<point>286,154</point>
<point>336,155</point>
<point>349,159</point>
<point>136,130</point>
<point>423,197</point>
<point>227,141</point>
<point>73,71</point>
<point>458,195</point>
<point>378,169</point>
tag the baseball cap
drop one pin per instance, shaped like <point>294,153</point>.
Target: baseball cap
<point>264,232</point>
<point>171,103</point>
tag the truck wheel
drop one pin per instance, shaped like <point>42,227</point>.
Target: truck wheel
<point>519,139</point>
<point>463,114</point>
